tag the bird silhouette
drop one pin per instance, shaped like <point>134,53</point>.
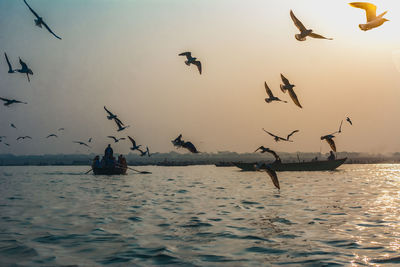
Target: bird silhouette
<point>266,149</point>
<point>39,21</point>
<point>13,126</point>
<point>134,146</point>
<point>329,139</point>
<point>81,143</point>
<point>119,124</point>
<point>8,102</point>
<point>191,60</point>
<point>24,69</point>
<point>10,69</point>
<point>24,137</point>
<point>278,138</point>
<point>373,21</point>
<point>112,116</point>
<point>52,135</point>
<point>271,96</point>
<point>287,86</point>
<point>349,121</point>
<point>116,140</point>
<point>304,32</point>
<point>272,174</point>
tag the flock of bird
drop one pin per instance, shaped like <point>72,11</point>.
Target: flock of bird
<point>373,21</point>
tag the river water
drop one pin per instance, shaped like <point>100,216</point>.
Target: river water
<point>199,216</point>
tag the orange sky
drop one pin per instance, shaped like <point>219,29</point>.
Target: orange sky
<point>123,54</point>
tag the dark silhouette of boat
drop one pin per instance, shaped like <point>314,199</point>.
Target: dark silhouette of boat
<point>113,170</point>
<point>322,165</point>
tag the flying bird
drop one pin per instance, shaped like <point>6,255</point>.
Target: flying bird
<point>287,86</point>
<point>8,102</point>
<point>10,69</point>
<point>373,20</point>
<point>271,96</point>
<point>340,129</point>
<point>24,137</point>
<point>81,143</point>
<point>61,129</point>
<point>39,21</point>
<point>271,173</point>
<point>329,139</point>
<point>304,32</point>
<point>144,153</point>
<point>266,149</point>
<point>90,140</point>
<point>119,124</point>
<point>52,135</point>
<point>191,60</point>
<point>13,126</point>
<point>116,140</point>
<point>134,146</point>
<point>112,116</point>
<point>189,146</point>
<point>278,138</point>
<point>178,141</point>
<point>349,121</point>
<point>24,69</point>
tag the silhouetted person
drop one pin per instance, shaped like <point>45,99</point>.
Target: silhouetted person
<point>331,156</point>
<point>108,153</point>
<point>96,162</point>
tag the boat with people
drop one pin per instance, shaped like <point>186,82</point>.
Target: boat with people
<point>314,165</point>
<point>108,165</point>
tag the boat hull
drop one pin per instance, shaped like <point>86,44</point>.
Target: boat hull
<point>110,171</point>
<point>325,165</point>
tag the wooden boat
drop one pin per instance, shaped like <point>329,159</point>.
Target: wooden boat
<point>323,165</point>
<point>115,170</point>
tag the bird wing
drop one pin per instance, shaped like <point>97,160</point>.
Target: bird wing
<point>109,112</point>
<point>340,127</point>
<point>19,138</point>
<point>48,28</point>
<point>8,62</point>
<point>258,149</point>
<point>273,176</point>
<point>289,135</point>
<point>90,140</point>
<point>271,134</point>
<point>28,137</point>
<point>187,54</point>
<point>370,9</point>
<point>297,22</point>
<point>119,121</point>
<point>118,124</point>
<point>314,35</point>
<point>293,96</point>
<point>269,92</point>
<point>273,153</point>
<point>189,146</point>
<point>4,99</point>
<point>23,64</point>
<point>284,80</point>
<point>34,13</point>
<point>122,138</point>
<point>331,143</point>
<point>198,64</point>
<point>112,137</point>
<point>133,141</point>
<point>349,120</point>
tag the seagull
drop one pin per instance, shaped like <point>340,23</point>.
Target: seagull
<point>24,137</point>
<point>329,140</point>
<point>116,140</point>
<point>349,121</point>
<point>25,69</point>
<point>13,126</point>
<point>10,70</point>
<point>52,135</point>
<point>191,60</point>
<point>373,21</point>
<point>271,97</point>
<point>340,129</point>
<point>39,21</point>
<point>271,173</point>
<point>8,102</point>
<point>90,140</point>
<point>278,138</point>
<point>61,129</point>
<point>143,153</point>
<point>134,146</point>
<point>289,87</point>
<point>112,116</point>
<point>119,124</point>
<point>81,143</point>
<point>304,32</point>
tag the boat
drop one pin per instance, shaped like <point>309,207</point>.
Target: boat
<point>114,170</point>
<point>321,165</point>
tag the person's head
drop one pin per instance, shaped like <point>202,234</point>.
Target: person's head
<point>109,145</point>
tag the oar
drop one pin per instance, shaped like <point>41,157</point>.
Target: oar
<point>88,171</point>
<point>141,172</point>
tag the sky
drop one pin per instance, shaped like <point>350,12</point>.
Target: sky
<point>124,54</point>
